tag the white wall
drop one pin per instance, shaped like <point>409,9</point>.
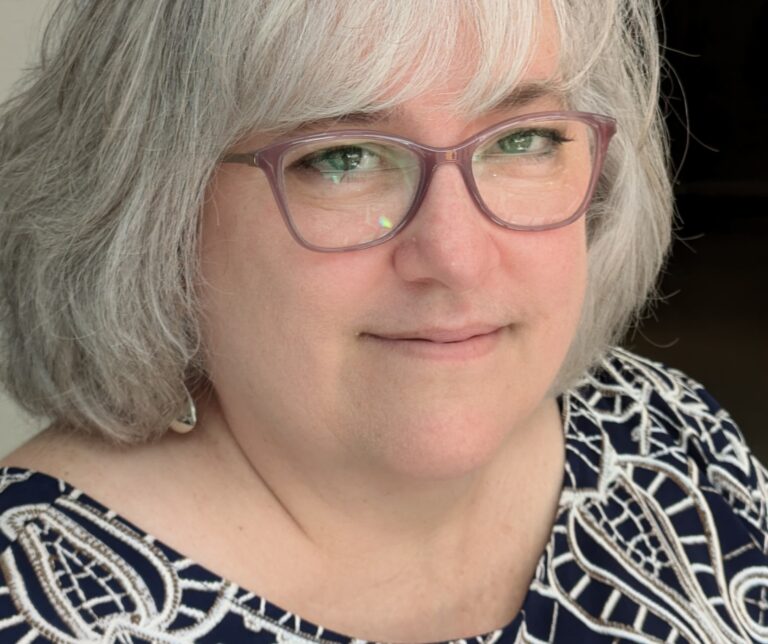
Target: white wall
<point>21,24</point>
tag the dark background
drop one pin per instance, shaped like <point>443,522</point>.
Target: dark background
<point>713,323</point>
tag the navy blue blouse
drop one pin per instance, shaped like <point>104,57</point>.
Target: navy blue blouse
<point>660,536</point>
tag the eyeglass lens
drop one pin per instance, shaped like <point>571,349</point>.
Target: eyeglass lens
<point>351,190</point>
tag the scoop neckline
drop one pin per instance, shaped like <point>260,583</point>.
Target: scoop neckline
<point>277,614</point>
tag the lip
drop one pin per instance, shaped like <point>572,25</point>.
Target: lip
<point>439,343</point>
<point>442,335</point>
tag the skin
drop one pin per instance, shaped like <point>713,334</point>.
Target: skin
<point>408,492</point>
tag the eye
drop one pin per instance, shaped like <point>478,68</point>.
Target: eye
<point>334,163</point>
<point>528,141</point>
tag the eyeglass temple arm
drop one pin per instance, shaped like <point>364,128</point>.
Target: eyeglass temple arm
<point>248,158</point>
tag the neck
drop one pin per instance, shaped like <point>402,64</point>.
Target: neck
<point>339,504</point>
<point>375,553</point>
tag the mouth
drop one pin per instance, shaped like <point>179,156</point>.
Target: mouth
<point>437,343</point>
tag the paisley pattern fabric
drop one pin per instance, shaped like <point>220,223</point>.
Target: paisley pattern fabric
<point>660,537</point>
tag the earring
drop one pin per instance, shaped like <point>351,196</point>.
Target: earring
<point>187,421</point>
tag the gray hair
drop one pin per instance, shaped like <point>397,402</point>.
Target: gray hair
<point>108,147</point>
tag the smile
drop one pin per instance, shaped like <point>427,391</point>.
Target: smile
<point>460,344</point>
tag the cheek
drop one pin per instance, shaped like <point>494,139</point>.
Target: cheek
<point>552,266</point>
<point>249,261</point>
<point>245,257</point>
<point>272,309</point>
<point>554,283</point>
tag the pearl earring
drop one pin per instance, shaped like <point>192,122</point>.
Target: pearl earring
<point>187,421</point>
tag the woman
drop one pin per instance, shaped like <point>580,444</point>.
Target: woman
<point>367,260</point>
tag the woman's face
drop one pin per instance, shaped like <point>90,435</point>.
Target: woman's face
<point>362,357</point>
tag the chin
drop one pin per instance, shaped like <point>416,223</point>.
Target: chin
<point>443,447</point>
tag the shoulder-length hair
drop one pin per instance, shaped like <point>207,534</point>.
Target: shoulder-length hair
<point>111,140</point>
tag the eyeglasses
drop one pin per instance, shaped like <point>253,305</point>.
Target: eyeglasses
<point>353,189</point>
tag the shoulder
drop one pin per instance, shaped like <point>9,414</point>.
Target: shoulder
<point>663,525</point>
<point>27,489</point>
<point>656,419</point>
<point>24,496</point>
<point>71,569</point>
<point>662,404</point>
<point>625,375</point>
<point>48,540</point>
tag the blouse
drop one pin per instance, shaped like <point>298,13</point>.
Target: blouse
<point>660,536</point>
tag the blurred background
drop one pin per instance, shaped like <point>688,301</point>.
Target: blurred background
<point>713,320</point>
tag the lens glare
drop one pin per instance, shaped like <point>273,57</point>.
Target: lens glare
<point>348,191</point>
<point>535,173</point>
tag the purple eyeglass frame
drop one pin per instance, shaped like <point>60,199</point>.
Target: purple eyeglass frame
<point>270,158</point>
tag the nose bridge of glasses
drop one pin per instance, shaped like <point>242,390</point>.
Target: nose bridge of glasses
<point>459,156</point>
<point>456,155</point>
<point>446,156</point>
<point>442,156</point>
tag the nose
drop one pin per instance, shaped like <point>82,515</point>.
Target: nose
<point>449,240</point>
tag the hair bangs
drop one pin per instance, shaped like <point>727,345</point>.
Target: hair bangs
<point>372,56</point>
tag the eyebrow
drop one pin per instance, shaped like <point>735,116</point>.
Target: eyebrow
<point>361,117</point>
<point>530,92</point>
<point>519,97</point>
